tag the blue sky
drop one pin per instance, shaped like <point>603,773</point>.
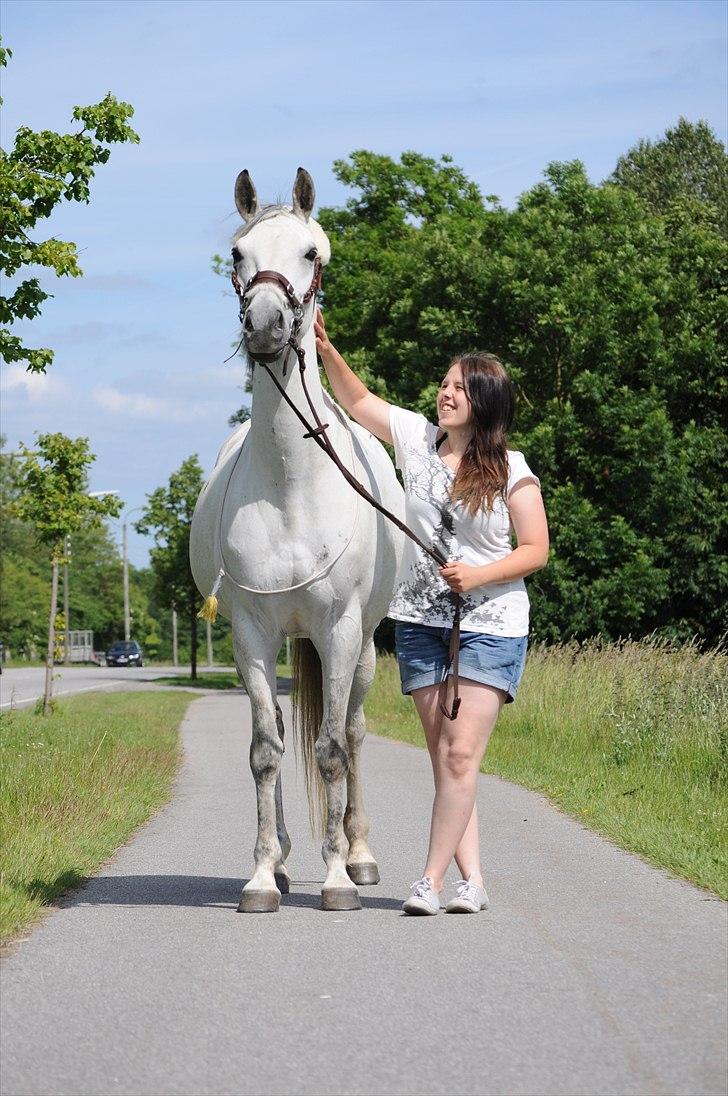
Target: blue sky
<point>504,87</point>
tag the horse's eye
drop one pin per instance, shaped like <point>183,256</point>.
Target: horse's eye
<point>237,255</point>
<point>311,255</point>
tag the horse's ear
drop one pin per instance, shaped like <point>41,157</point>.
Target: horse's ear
<point>304,194</point>
<point>246,198</point>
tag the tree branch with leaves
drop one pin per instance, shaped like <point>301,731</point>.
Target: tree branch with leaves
<point>42,170</point>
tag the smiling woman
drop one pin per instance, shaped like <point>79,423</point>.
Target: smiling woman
<point>465,494</point>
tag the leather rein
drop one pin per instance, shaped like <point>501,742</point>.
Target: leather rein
<point>319,435</point>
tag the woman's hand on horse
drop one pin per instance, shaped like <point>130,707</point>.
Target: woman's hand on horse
<point>461,577</point>
<point>323,346</point>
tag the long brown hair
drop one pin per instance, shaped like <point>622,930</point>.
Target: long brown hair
<point>483,471</point>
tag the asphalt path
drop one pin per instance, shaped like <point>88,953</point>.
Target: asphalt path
<point>591,973</point>
<point>22,686</point>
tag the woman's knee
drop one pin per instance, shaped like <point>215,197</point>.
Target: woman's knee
<point>458,758</point>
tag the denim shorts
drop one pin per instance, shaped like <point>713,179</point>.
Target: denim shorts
<point>422,652</point>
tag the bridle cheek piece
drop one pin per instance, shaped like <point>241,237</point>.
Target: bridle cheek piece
<point>296,306</point>
<point>319,435</point>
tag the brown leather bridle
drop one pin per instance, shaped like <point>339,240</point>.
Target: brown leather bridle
<point>297,307</point>
<point>319,435</point>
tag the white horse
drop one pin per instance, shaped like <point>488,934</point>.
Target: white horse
<point>303,555</point>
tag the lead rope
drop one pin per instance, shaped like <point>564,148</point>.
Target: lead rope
<point>318,433</point>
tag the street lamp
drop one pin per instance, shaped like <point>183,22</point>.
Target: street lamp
<point>125,555</point>
<point>66,587</point>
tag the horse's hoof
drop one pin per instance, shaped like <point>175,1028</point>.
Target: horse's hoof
<point>340,898</point>
<point>364,875</point>
<point>259,901</point>
<point>282,882</point>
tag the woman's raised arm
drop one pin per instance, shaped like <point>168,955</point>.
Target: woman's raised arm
<point>368,410</point>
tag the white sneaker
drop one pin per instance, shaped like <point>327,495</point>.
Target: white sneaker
<point>424,898</point>
<point>470,898</point>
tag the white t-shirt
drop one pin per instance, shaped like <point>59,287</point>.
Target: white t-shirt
<point>421,594</point>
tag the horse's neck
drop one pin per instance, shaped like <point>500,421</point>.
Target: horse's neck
<point>276,432</point>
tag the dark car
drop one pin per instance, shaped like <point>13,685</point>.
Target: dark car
<point>126,652</point>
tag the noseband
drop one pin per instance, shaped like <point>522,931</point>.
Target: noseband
<point>297,307</point>
<point>319,435</point>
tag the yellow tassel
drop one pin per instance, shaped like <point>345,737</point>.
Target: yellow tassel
<point>209,609</point>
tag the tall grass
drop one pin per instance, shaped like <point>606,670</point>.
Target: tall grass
<point>629,737</point>
<point>74,786</point>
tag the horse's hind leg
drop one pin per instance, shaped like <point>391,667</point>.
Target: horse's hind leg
<point>360,864</point>
<point>281,871</point>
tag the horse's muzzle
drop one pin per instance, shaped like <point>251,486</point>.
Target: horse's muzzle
<point>266,327</point>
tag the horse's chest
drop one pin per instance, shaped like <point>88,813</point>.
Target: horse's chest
<point>277,543</point>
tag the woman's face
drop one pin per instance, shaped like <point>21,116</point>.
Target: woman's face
<point>453,406</point>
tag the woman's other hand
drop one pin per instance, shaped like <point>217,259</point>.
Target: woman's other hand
<point>461,577</point>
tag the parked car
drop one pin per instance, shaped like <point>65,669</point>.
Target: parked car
<point>125,652</point>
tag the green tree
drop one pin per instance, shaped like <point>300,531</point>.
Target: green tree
<point>95,571</point>
<point>168,517</point>
<point>24,584</point>
<point>42,170</point>
<point>53,499</point>
<point>610,317</point>
<point>240,416</point>
<point>689,164</point>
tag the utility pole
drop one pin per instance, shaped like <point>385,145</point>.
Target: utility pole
<point>125,557</point>
<point>66,607</point>
<point>66,611</point>
<point>175,659</point>
<point>51,640</point>
<point>209,643</point>
<point>125,560</point>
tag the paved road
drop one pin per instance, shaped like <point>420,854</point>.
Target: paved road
<point>24,685</point>
<point>592,973</point>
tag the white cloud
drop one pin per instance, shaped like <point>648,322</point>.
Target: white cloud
<point>138,405</point>
<point>91,332</point>
<point>36,386</point>
<point>119,282</point>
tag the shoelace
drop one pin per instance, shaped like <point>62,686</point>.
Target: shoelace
<point>467,890</point>
<point>421,887</point>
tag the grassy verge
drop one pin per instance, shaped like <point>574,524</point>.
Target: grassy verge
<point>631,739</point>
<point>222,680</point>
<point>202,681</point>
<point>74,786</point>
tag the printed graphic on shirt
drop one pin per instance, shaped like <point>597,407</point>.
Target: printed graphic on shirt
<point>421,594</point>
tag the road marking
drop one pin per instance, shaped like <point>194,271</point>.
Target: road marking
<point>62,692</point>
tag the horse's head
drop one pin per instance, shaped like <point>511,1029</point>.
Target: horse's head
<point>278,240</point>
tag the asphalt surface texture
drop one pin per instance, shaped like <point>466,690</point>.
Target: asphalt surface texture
<point>22,686</point>
<point>592,972</point>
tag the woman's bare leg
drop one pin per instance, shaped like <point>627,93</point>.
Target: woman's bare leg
<point>467,854</point>
<point>456,750</point>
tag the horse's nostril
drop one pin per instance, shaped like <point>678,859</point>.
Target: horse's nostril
<point>278,325</point>
<point>248,322</point>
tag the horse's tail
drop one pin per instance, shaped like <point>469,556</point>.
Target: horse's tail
<point>308,711</point>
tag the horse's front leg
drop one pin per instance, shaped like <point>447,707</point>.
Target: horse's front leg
<point>339,652</point>
<point>255,658</point>
<point>360,864</point>
<point>282,878</point>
